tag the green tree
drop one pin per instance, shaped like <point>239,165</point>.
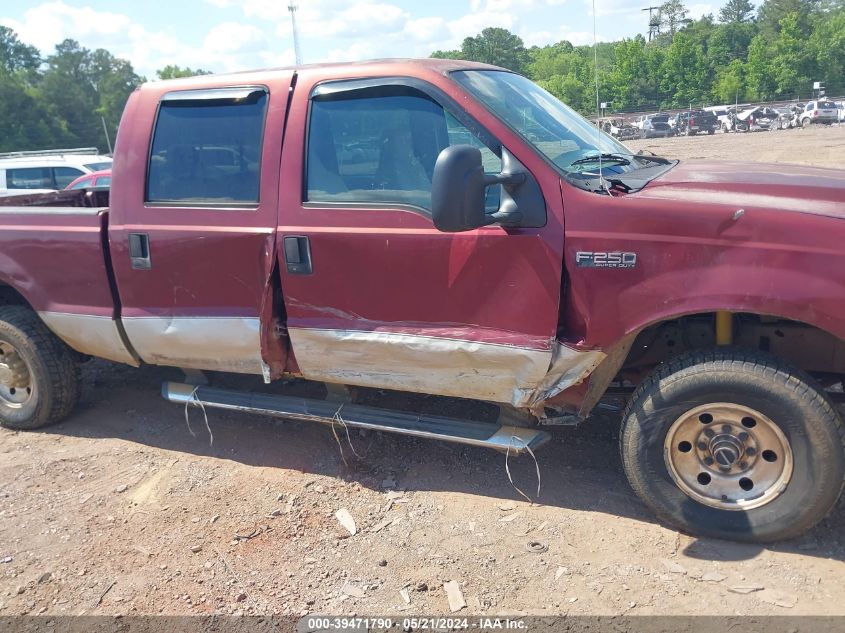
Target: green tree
<point>791,65</point>
<point>684,71</point>
<point>827,47</point>
<point>80,86</point>
<point>454,54</point>
<point>729,86</point>
<point>736,12</point>
<point>728,42</point>
<point>15,56</point>
<point>493,45</point>
<point>673,16</point>
<point>24,121</point>
<point>171,71</point>
<point>759,74</point>
<point>771,12</point>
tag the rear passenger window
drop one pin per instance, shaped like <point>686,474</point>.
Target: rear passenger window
<point>380,145</point>
<point>206,148</point>
<point>29,178</point>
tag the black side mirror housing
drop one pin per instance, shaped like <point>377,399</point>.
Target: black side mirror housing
<point>459,187</point>
<point>458,190</point>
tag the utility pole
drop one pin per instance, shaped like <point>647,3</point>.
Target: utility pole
<point>296,51</point>
<point>653,22</point>
<point>106,131</point>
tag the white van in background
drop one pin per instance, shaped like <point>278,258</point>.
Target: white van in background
<point>48,170</point>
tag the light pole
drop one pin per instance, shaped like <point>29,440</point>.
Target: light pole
<point>296,51</point>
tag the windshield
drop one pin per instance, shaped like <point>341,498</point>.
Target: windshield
<point>555,129</point>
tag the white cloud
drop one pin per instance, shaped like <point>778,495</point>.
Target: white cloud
<point>48,24</point>
<point>699,10</point>
<point>473,23</point>
<point>426,29</point>
<point>228,46</point>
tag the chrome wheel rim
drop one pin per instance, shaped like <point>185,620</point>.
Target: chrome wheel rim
<point>15,378</point>
<point>728,456</point>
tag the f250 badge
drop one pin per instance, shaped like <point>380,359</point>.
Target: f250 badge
<point>597,259</point>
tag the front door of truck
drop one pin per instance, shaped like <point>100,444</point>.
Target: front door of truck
<point>193,220</point>
<point>374,294</point>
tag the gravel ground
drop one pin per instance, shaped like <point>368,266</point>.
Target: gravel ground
<point>121,510</point>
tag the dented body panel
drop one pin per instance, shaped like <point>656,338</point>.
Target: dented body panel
<point>761,239</point>
<point>525,317</point>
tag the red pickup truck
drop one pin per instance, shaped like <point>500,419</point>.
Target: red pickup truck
<point>450,228</point>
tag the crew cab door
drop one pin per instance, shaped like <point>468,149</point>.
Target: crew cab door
<point>374,294</point>
<point>193,221</point>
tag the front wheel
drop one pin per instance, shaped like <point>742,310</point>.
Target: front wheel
<point>39,375</point>
<point>734,444</point>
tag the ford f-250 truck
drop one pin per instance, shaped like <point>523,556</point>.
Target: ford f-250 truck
<point>450,228</point>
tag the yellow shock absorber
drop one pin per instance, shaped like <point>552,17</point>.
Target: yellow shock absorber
<point>724,328</point>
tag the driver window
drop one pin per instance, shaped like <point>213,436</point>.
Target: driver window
<point>380,147</point>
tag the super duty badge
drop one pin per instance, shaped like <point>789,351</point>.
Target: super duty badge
<point>597,259</point>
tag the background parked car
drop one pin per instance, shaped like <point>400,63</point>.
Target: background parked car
<point>693,122</point>
<point>42,171</point>
<point>100,178</point>
<point>655,126</point>
<point>759,118</point>
<point>821,111</point>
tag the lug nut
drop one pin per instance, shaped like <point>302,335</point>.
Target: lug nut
<point>751,451</point>
<point>743,437</point>
<point>709,432</point>
<point>702,446</point>
<point>726,428</point>
<point>743,465</point>
<point>708,461</point>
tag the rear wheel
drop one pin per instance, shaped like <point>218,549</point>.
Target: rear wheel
<point>806,122</point>
<point>39,376</point>
<point>734,444</point>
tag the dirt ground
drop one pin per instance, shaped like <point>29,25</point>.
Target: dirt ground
<point>121,510</point>
<point>823,146</point>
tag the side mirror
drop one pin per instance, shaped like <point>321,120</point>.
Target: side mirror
<point>458,190</point>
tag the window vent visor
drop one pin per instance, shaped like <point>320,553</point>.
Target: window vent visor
<point>239,94</point>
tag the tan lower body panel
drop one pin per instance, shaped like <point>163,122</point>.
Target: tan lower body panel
<point>94,335</point>
<point>521,377</point>
<point>228,344</point>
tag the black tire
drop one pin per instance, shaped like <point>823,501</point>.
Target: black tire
<point>787,396</point>
<point>52,368</point>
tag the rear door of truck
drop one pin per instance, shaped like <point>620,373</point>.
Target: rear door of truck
<point>375,294</point>
<point>193,220</point>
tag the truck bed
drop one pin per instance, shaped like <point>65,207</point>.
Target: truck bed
<point>54,252</point>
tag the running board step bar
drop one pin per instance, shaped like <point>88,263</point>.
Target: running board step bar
<point>357,416</point>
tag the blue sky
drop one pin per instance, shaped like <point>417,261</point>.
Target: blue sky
<point>228,35</point>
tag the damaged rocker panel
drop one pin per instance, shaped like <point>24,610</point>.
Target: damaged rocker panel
<point>507,374</point>
<point>213,343</point>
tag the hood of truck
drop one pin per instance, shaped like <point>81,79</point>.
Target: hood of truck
<point>781,187</point>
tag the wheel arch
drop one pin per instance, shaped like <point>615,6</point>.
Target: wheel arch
<point>811,346</point>
<point>10,295</point>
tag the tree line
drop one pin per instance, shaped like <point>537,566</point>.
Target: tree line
<point>74,96</point>
<point>71,98</point>
<point>774,52</point>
